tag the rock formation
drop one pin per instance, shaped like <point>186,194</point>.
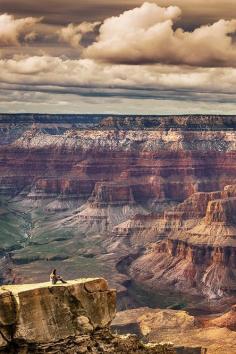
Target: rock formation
<point>178,327</point>
<point>68,318</point>
<point>110,203</point>
<point>199,255</point>
<point>227,320</point>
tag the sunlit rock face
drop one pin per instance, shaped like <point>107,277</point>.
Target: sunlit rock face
<point>227,320</point>
<point>200,256</point>
<point>67,318</point>
<point>222,211</point>
<point>40,314</point>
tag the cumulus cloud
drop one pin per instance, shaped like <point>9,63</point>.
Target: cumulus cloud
<point>12,29</point>
<point>31,65</point>
<point>73,34</point>
<point>147,35</point>
<point>52,76</point>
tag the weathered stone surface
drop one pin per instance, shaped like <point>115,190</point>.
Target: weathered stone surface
<point>8,310</point>
<point>69,318</point>
<point>158,320</point>
<point>105,343</point>
<point>221,210</point>
<point>61,305</point>
<point>48,313</point>
<point>3,343</point>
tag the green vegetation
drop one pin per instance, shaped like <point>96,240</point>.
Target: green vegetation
<point>50,243</point>
<point>13,228</point>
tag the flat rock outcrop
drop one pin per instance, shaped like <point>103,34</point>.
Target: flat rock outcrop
<point>41,313</point>
<point>68,318</point>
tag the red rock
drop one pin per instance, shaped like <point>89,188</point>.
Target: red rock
<point>221,210</point>
<point>201,258</point>
<point>227,320</point>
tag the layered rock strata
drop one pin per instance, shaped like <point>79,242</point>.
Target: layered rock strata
<point>199,255</point>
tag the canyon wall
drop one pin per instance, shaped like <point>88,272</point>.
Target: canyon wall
<point>86,193</point>
<point>198,255</point>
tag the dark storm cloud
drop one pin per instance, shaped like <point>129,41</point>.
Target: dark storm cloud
<point>54,11</point>
<point>60,12</point>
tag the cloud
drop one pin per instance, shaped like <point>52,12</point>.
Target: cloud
<point>20,101</point>
<point>31,65</point>
<point>88,77</point>
<point>74,11</point>
<point>146,35</point>
<point>179,58</point>
<point>43,83</point>
<point>12,30</point>
<point>73,34</point>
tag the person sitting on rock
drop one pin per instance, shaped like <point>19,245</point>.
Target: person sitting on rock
<point>54,278</point>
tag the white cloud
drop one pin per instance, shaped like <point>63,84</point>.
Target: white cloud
<point>86,75</point>
<point>40,83</point>
<point>12,29</point>
<point>147,35</point>
<point>72,34</point>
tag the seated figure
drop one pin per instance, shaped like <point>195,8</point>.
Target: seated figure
<point>54,278</point>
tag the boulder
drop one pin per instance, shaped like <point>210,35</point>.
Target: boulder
<point>67,318</point>
<point>44,313</point>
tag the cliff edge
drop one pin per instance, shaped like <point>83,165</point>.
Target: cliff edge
<point>69,318</point>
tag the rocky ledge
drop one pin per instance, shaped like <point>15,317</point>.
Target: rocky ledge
<point>69,318</point>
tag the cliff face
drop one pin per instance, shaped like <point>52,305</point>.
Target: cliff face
<point>198,256</point>
<point>42,314</point>
<point>85,192</point>
<point>68,318</point>
<point>158,163</point>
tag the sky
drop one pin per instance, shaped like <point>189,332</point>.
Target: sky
<point>124,57</point>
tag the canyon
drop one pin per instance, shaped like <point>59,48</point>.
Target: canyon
<point>148,202</point>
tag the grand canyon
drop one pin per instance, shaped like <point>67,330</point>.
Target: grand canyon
<point>147,202</point>
<point>117,177</point>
